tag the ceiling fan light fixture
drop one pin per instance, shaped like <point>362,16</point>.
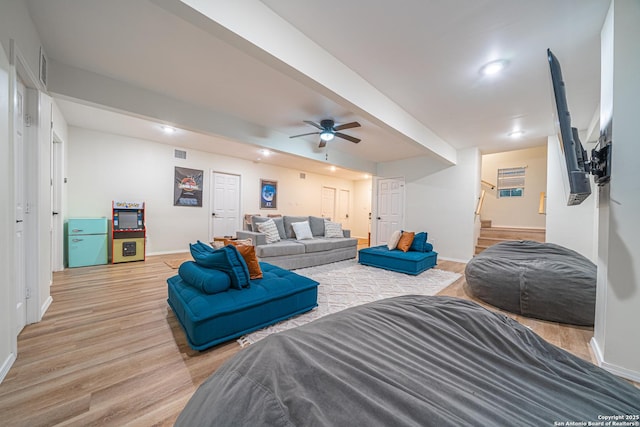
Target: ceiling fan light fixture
<point>326,135</point>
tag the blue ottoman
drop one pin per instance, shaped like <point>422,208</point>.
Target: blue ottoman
<point>396,260</point>
<point>210,319</point>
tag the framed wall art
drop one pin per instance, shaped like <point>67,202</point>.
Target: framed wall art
<point>268,194</point>
<point>187,187</point>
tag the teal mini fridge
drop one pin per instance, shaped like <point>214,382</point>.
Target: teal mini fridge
<point>87,241</point>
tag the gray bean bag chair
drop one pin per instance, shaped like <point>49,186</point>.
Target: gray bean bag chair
<point>534,279</point>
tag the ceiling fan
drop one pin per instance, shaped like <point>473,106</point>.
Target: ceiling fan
<point>328,131</point>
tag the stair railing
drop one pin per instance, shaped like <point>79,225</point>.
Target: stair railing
<point>542,206</point>
<point>480,202</point>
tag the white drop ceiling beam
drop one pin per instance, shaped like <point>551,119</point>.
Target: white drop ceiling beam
<point>97,90</point>
<point>258,31</point>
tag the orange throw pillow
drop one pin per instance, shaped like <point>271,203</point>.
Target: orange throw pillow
<point>249,255</point>
<point>406,240</point>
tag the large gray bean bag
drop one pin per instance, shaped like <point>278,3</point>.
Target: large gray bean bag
<point>540,280</point>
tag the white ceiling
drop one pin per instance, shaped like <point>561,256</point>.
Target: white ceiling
<point>423,55</point>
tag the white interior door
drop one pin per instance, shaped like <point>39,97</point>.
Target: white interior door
<point>225,205</point>
<point>57,241</point>
<point>342,214</point>
<point>329,203</point>
<point>19,190</point>
<point>390,209</point>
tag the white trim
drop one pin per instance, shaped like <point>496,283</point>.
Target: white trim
<point>168,252</point>
<point>6,365</point>
<point>444,258</point>
<point>45,306</point>
<point>614,369</point>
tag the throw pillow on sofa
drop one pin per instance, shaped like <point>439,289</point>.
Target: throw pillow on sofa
<point>226,259</point>
<point>302,230</point>
<point>393,240</point>
<point>420,243</point>
<point>332,229</point>
<point>406,239</point>
<point>206,280</point>
<point>270,230</point>
<point>248,252</point>
<point>278,221</point>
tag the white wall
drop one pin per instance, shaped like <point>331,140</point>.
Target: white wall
<point>441,200</point>
<point>615,342</point>
<point>15,23</point>
<point>515,211</point>
<point>570,226</point>
<point>103,167</point>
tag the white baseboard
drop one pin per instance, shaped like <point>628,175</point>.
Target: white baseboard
<point>168,252</point>
<point>614,369</point>
<point>444,258</point>
<point>6,365</point>
<point>45,306</point>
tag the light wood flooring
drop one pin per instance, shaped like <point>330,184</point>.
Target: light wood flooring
<point>110,352</point>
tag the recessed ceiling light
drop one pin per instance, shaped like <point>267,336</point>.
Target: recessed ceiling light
<point>168,129</point>
<point>332,168</point>
<point>367,176</point>
<point>516,134</point>
<point>493,67</point>
<point>265,152</point>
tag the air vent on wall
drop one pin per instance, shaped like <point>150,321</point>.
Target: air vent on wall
<point>180,154</point>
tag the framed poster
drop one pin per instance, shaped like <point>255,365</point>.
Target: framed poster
<point>268,194</point>
<point>187,187</point>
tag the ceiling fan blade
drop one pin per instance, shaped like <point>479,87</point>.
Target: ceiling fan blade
<point>347,126</point>
<point>305,134</point>
<point>313,124</point>
<point>322,144</point>
<point>347,137</point>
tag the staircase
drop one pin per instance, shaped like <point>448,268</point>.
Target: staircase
<point>491,235</point>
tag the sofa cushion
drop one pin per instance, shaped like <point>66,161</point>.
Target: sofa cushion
<point>317,226</point>
<point>302,230</point>
<point>419,243</point>
<point>249,255</point>
<point>394,239</point>
<point>288,220</point>
<point>333,229</point>
<point>283,247</point>
<point>269,228</point>
<point>326,244</point>
<point>255,220</point>
<point>226,259</point>
<point>206,280</point>
<point>406,239</point>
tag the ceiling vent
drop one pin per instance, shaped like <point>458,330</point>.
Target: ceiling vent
<point>303,175</point>
<point>180,154</point>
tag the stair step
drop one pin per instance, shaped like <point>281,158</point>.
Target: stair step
<point>485,223</point>
<point>514,233</point>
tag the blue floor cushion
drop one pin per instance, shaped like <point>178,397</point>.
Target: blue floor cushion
<point>410,262</point>
<point>210,319</point>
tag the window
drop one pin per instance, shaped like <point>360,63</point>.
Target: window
<point>511,182</point>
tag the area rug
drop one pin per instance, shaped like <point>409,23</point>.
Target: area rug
<point>175,263</point>
<point>346,284</point>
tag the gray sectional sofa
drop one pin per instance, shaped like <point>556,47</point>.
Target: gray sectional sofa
<point>290,253</point>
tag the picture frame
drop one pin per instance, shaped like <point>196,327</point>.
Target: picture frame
<point>187,187</point>
<point>268,194</point>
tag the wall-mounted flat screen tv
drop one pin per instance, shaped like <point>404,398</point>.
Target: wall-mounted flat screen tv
<point>576,165</point>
